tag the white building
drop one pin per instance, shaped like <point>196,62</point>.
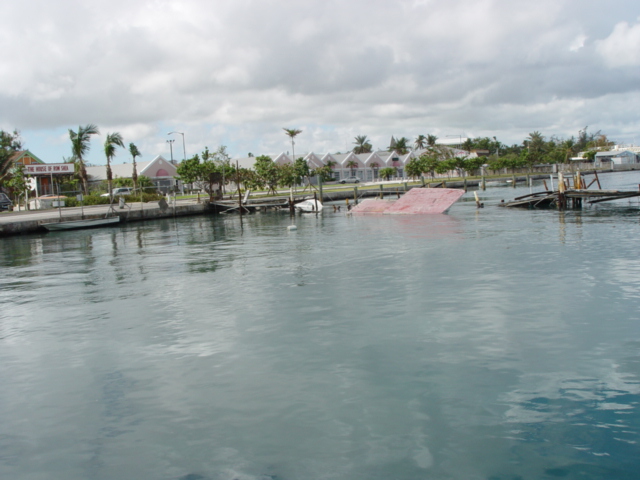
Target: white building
<point>161,172</point>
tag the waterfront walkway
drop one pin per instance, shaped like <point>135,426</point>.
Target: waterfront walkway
<point>21,222</point>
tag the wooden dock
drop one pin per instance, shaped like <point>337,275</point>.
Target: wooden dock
<point>571,193</point>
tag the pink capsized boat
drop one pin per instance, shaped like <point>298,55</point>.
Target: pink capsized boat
<point>417,201</point>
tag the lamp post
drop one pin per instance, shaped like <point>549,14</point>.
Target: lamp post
<point>170,142</point>
<point>184,149</point>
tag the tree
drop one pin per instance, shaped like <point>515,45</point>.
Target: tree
<point>413,168</point>
<point>352,164</point>
<point>431,140</point>
<point>292,133</point>
<point>387,172</point>
<point>420,142</point>
<point>302,170</point>
<point>189,170</point>
<point>10,143</point>
<point>287,175</point>
<point>16,182</point>
<point>428,163</point>
<point>210,175</point>
<point>362,145</point>
<point>80,145</point>
<point>472,164</point>
<point>112,141</point>
<point>325,173</point>
<point>267,171</point>
<point>133,150</point>
<point>222,158</point>
<point>402,145</point>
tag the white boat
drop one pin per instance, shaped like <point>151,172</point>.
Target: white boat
<point>76,224</point>
<point>309,206</point>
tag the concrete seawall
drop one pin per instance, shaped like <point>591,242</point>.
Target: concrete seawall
<point>20,223</point>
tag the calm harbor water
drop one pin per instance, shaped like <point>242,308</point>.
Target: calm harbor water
<point>482,344</point>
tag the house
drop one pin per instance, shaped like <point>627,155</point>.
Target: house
<point>25,157</point>
<point>616,157</point>
<point>160,171</point>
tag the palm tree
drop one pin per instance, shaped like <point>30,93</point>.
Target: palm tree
<point>80,145</point>
<point>431,140</point>
<point>362,145</point>
<point>421,142</point>
<point>133,150</point>
<point>402,145</point>
<point>352,164</point>
<point>293,133</point>
<point>112,141</point>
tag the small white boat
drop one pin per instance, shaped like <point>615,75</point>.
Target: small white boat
<point>76,224</point>
<point>309,206</point>
<point>496,183</point>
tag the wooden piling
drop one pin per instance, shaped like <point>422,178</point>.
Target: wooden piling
<point>597,180</point>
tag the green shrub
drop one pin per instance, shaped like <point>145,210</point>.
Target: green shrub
<point>88,200</point>
<point>146,197</point>
<point>99,200</point>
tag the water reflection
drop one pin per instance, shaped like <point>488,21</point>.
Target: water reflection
<point>479,344</point>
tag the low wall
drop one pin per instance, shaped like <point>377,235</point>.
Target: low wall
<point>28,222</point>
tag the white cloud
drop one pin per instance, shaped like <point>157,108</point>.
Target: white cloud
<point>622,47</point>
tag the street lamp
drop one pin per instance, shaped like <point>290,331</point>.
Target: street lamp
<point>184,149</point>
<point>170,142</point>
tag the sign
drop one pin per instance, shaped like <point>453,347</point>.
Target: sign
<point>31,182</point>
<point>49,169</point>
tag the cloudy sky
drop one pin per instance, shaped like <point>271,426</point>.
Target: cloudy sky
<point>236,72</point>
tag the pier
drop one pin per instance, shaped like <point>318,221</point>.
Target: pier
<point>572,191</point>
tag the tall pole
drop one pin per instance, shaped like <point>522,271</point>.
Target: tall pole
<point>184,148</point>
<point>170,142</point>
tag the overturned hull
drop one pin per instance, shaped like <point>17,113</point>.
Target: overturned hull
<point>417,201</point>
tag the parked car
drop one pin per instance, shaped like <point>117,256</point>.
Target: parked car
<point>5,202</point>
<point>119,192</point>
<point>350,180</point>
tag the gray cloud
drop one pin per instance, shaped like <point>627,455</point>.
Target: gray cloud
<point>237,72</point>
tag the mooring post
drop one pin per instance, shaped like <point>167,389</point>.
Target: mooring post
<point>320,185</point>
<point>381,192</point>
<point>483,184</point>
<point>355,195</point>
<point>422,178</point>
<point>405,186</point>
<point>514,181</point>
<point>561,189</point>
<point>464,182</point>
